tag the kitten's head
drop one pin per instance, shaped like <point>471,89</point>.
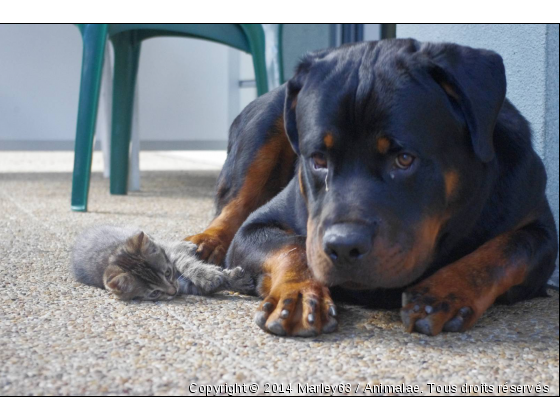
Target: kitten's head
<point>140,270</point>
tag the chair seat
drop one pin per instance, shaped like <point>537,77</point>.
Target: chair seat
<point>229,34</point>
<point>126,40</point>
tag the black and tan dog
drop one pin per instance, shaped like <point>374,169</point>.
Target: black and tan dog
<point>382,168</point>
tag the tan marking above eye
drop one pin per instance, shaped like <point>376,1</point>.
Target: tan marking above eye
<point>328,140</point>
<point>451,179</point>
<point>383,145</point>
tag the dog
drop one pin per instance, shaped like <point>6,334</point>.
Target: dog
<point>389,173</point>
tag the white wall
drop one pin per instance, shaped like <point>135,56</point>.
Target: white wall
<point>183,85</point>
<point>39,78</point>
<point>183,90</point>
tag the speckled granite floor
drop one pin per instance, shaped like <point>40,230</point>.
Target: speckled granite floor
<point>59,337</point>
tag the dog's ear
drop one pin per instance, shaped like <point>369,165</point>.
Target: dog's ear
<point>476,79</point>
<point>293,87</point>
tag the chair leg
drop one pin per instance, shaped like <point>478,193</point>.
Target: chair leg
<point>127,55</point>
<point>255,35</point>
<point>273,54</point>
<point>134,162</point>
<point>103,128</point>
<point>94,39</point>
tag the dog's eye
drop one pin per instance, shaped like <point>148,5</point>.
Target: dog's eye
<point>319,161</point>
<point>155,294</point>
<point>404,160</point>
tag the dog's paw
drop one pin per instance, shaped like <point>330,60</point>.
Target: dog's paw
<point>305,310</point>
<point>210,248</point>
<point>429,310</point>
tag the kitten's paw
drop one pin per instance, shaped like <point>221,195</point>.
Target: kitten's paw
<point>208,278</point>
<point>187,247</point>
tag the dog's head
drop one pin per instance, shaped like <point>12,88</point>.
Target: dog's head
<point>393,138</point>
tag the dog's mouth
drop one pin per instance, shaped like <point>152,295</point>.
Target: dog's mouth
<point>389,264</point>
<point>384,269</point>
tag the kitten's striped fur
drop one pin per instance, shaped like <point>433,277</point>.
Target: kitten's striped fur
<point>132,265</point>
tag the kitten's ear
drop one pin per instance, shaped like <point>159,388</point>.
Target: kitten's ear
<point>134,243</point>
<point>148,246</point>
<point>141,243</point>
<point>121,284</point>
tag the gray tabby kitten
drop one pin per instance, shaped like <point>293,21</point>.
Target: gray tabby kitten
<point>131,265</point>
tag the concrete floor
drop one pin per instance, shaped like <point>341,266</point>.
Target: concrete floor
<point>59,337</point>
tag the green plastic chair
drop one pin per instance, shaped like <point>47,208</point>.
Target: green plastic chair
<point>126,40</point>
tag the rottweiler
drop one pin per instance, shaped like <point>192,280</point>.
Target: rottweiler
<point>388,173</point>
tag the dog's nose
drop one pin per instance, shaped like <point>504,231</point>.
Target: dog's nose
<point>345,243</point>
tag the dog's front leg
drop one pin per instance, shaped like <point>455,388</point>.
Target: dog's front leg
<point>294,303</point>
<point>456,296</point>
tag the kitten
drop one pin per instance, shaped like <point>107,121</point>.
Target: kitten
<point>131,265</point>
